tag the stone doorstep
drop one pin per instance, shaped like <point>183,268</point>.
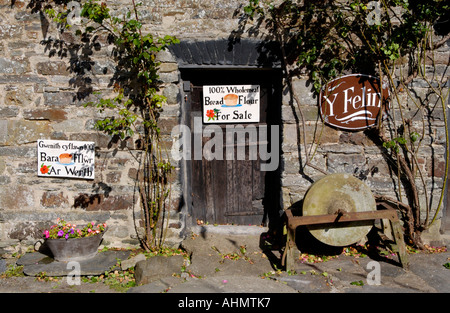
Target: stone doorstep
<point>206,230</point>
<point>36,263</point>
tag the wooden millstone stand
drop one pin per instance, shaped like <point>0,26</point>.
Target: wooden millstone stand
<point>340,210</point>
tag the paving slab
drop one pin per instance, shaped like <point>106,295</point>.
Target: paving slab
<point>223,263</point>
<point>306,283</point>
<point>347,274</point>
<point>29,284</point>
<point>36,263</point>
<point>216,284</point>
<point>430,268</point>
<point>159,286</point>
<point>232,284</point>
<point>219,265</point>
<point>2,266</point>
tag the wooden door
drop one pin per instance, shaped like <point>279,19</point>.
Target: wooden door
<point>230,191</point>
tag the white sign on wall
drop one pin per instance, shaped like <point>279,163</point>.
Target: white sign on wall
<point>231,104</point>
<point>70,159</point>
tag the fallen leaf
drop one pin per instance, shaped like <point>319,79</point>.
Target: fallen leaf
<point>357,283</point>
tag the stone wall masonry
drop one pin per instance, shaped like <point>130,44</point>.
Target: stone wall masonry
<point>42,96</point>
<point>353,152</point>
<point>42,93</point>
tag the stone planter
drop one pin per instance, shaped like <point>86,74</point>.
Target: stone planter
<point>74,249</point>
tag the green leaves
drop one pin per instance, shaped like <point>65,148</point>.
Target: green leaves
<point>357,283</point>
<point>252,8</point>
<point>136,55</point>
<point>95,12</point>
<point>330,38</point>
<point>391,51</point>
<point>133,107</point>
<point>394,144</point>
<point>414,136</point>
<point>397,142</point>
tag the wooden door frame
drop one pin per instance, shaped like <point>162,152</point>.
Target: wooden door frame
<point>272,75</point>
<point>445,224</point>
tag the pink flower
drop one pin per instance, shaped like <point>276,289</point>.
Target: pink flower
<point>46,233</point>
<point>89,230</point>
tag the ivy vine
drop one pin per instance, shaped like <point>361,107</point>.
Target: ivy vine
<point>395,40</point>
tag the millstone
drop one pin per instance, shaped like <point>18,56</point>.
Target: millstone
<point>339,193</point>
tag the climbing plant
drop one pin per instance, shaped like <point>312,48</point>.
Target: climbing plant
<point>133,104</point>
<point>393,39</point>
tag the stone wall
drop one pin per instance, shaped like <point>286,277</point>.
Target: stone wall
<point>42,96</point>
<point>355,152</point>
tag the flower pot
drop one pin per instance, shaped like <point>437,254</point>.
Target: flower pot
<point>74,249</point>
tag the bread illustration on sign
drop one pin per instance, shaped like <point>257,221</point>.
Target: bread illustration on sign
<point>231,100</point>
<point>65,158</point>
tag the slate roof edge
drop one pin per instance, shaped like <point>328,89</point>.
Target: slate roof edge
<point>222,53</point>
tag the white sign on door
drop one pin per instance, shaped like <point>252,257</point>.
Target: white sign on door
<point>62,158</point>
<point>231,104</point>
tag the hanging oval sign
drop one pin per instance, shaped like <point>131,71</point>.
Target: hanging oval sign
<point>352,101</point>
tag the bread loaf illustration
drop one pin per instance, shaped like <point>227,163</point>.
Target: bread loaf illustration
<point>65,158</point>
<point>231,99</point>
